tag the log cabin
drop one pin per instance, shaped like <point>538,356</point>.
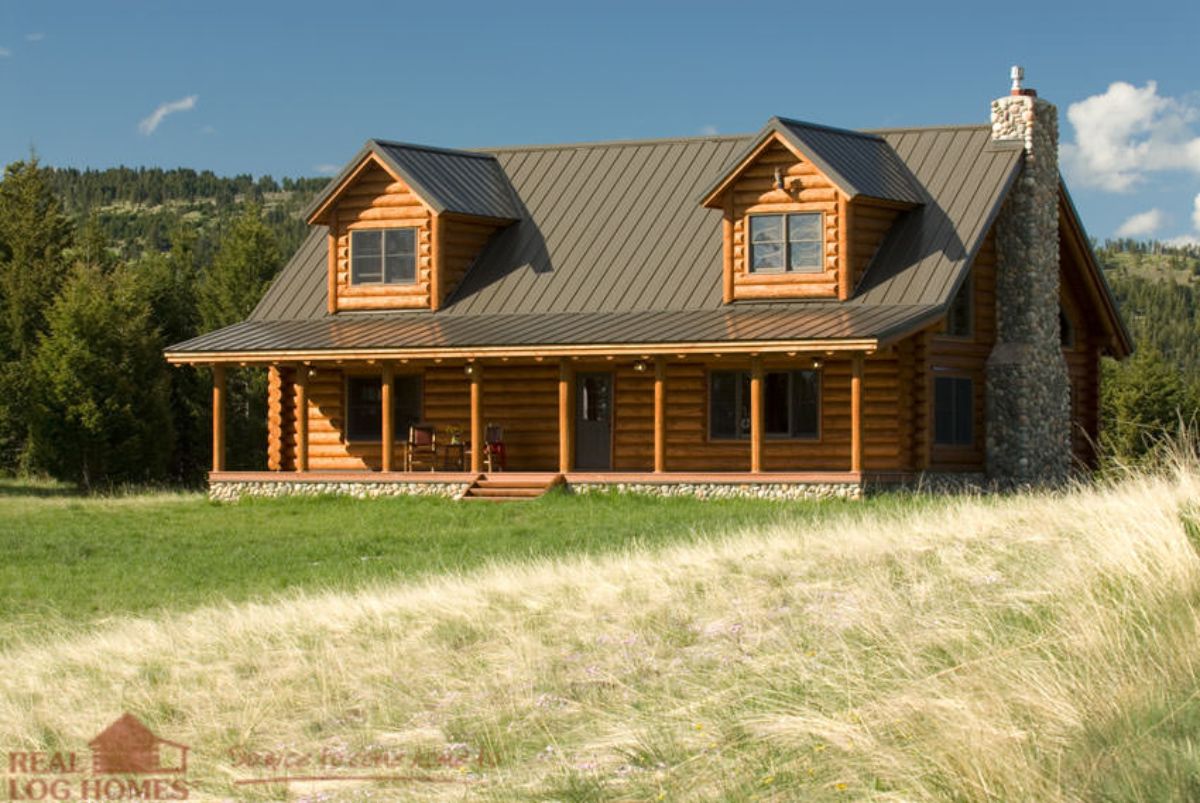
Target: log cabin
<point>802,311</point>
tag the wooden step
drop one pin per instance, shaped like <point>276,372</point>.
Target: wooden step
<point>500,487</point>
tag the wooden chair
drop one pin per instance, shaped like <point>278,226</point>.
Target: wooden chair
<point>495,456</point>
<point>421,451</point>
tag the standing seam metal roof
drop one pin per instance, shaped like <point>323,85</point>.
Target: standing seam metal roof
<point>610,242</point>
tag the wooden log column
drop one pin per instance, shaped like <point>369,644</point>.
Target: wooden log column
<point>476,377</point>
<point>756,414</point>
<point>388,438</point>
<point>856,418</point>
<point>660,414</point>
<point>566,420</point>
<point>218,418</point>
<point>302,417</point>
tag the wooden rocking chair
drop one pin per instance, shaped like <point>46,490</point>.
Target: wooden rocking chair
<point>421,450</point>
<point>495,456</point>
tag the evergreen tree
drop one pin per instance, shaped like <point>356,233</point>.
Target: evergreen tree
<point>1143,400</point>
<point>34,233</point>
<point>101,393</point>
<point>245,264</point>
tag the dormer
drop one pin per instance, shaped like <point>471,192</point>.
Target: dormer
<point>805,207</point>
<point>405,223</point>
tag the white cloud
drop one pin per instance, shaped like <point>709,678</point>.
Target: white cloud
<point>34,37</point>
<point>1129,131</point>
<point>149,124</point>
<point>326,169</point>
<point>708,130</point>
<point>5,53</point>
<point>1196,212</point>
<point>1183,241</point>
<point>1142,224</point>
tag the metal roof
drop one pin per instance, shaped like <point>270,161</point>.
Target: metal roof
<point>399,331</point>
<point>466,182</point>
<point>857,162</point>
<point>612,243</point>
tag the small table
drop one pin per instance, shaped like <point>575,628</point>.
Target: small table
<point>454,456</point>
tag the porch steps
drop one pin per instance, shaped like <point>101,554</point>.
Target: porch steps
<point>503,487</point>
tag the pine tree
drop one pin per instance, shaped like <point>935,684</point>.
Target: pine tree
<point>101,393</point>
<point>34,234</point>
<point>245,264</point>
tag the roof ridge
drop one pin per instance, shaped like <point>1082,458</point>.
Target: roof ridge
<point>615,143</point>
<point>414,146</point>
<point>791,121</point>
<point>949,127</point>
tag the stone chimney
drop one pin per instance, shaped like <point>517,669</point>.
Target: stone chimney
<point>1028,393</point>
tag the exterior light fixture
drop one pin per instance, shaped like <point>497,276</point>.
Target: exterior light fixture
<point>816,363</point>
<point>640,366</point>
<point>469,369</point>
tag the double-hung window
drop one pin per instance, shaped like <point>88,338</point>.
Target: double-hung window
<point>383,256</point>
<point>364,407</point>
<point>791,404</point>
<point>790,243</point>
<point>953,411</point>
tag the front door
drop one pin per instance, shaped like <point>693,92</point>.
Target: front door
<point>593,421</point>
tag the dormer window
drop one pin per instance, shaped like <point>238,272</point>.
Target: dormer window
<point>383,256</point>
<point>789,243</point>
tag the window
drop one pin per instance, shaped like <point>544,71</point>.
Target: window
<point>953,411</point>
<point>791,404</point>
<point>958,318</point>
<point>383,256</point>
<point>364,407</point>
<point>786,243</point>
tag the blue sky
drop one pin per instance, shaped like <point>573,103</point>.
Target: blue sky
<point>295,88</point>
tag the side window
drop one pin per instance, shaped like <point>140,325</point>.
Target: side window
<point>953,411</point>
<point>791,404</point>
<point>364,414</point>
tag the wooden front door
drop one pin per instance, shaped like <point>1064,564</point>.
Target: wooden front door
<point>593,421</point>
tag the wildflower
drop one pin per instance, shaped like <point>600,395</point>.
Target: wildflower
<point>767,781</point>
<point>841,787</point>
<point>819,748</point>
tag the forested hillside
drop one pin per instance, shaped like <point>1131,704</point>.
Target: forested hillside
<point>99,269</point>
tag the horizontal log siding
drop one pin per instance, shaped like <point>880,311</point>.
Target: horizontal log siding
<point>462,240</point>
<point>1083,368</point>
<point>376,200</point>
<point>953,356</point>
<point>523,399</point>
<point>870,224</point>
<point>806,190</point>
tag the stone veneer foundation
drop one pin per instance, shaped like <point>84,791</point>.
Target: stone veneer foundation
<point>1028,392</point>
<point>232,490</point>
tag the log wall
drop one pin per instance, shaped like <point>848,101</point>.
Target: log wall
<point>1083,366</point>
<point>805,190</point>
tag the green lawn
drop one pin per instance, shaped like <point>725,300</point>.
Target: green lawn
<point>69,561</point>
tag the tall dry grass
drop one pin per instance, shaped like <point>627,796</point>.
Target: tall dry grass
<point>1040,647</point>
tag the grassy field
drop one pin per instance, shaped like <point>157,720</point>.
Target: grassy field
<point>1040,647</point>
<point>70,561</point>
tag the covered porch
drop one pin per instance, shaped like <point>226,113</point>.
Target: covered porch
<point>646,422</point>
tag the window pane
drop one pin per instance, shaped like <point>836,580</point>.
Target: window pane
<point>365,250</point>
<point>722,404</point>
<point>806,404</point>
<point>775,404</point>
<point>964,412</point>
<point>958,319</point>
<point>364,416</point>
<point>400,269</point>
<point>766,229</point>
<point>804,227</point>
<point>406,404</point>
<point>743,404</point>
<point>399,241</point>
<point>805,256</point>
<point>766,256</point>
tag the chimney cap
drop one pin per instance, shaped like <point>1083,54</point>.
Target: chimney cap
<point>1018,75</point>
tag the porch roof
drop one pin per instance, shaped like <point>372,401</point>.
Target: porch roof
<point>766,327</point>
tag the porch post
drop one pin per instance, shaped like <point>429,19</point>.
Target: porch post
<point>476,418</point>
<point>856,440</point>
<point>756,414</point>
<point>301,417</point>
<point>660,415</point>
<point>218,417</point>
<point>566,420</point>
<point>388,437</point>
